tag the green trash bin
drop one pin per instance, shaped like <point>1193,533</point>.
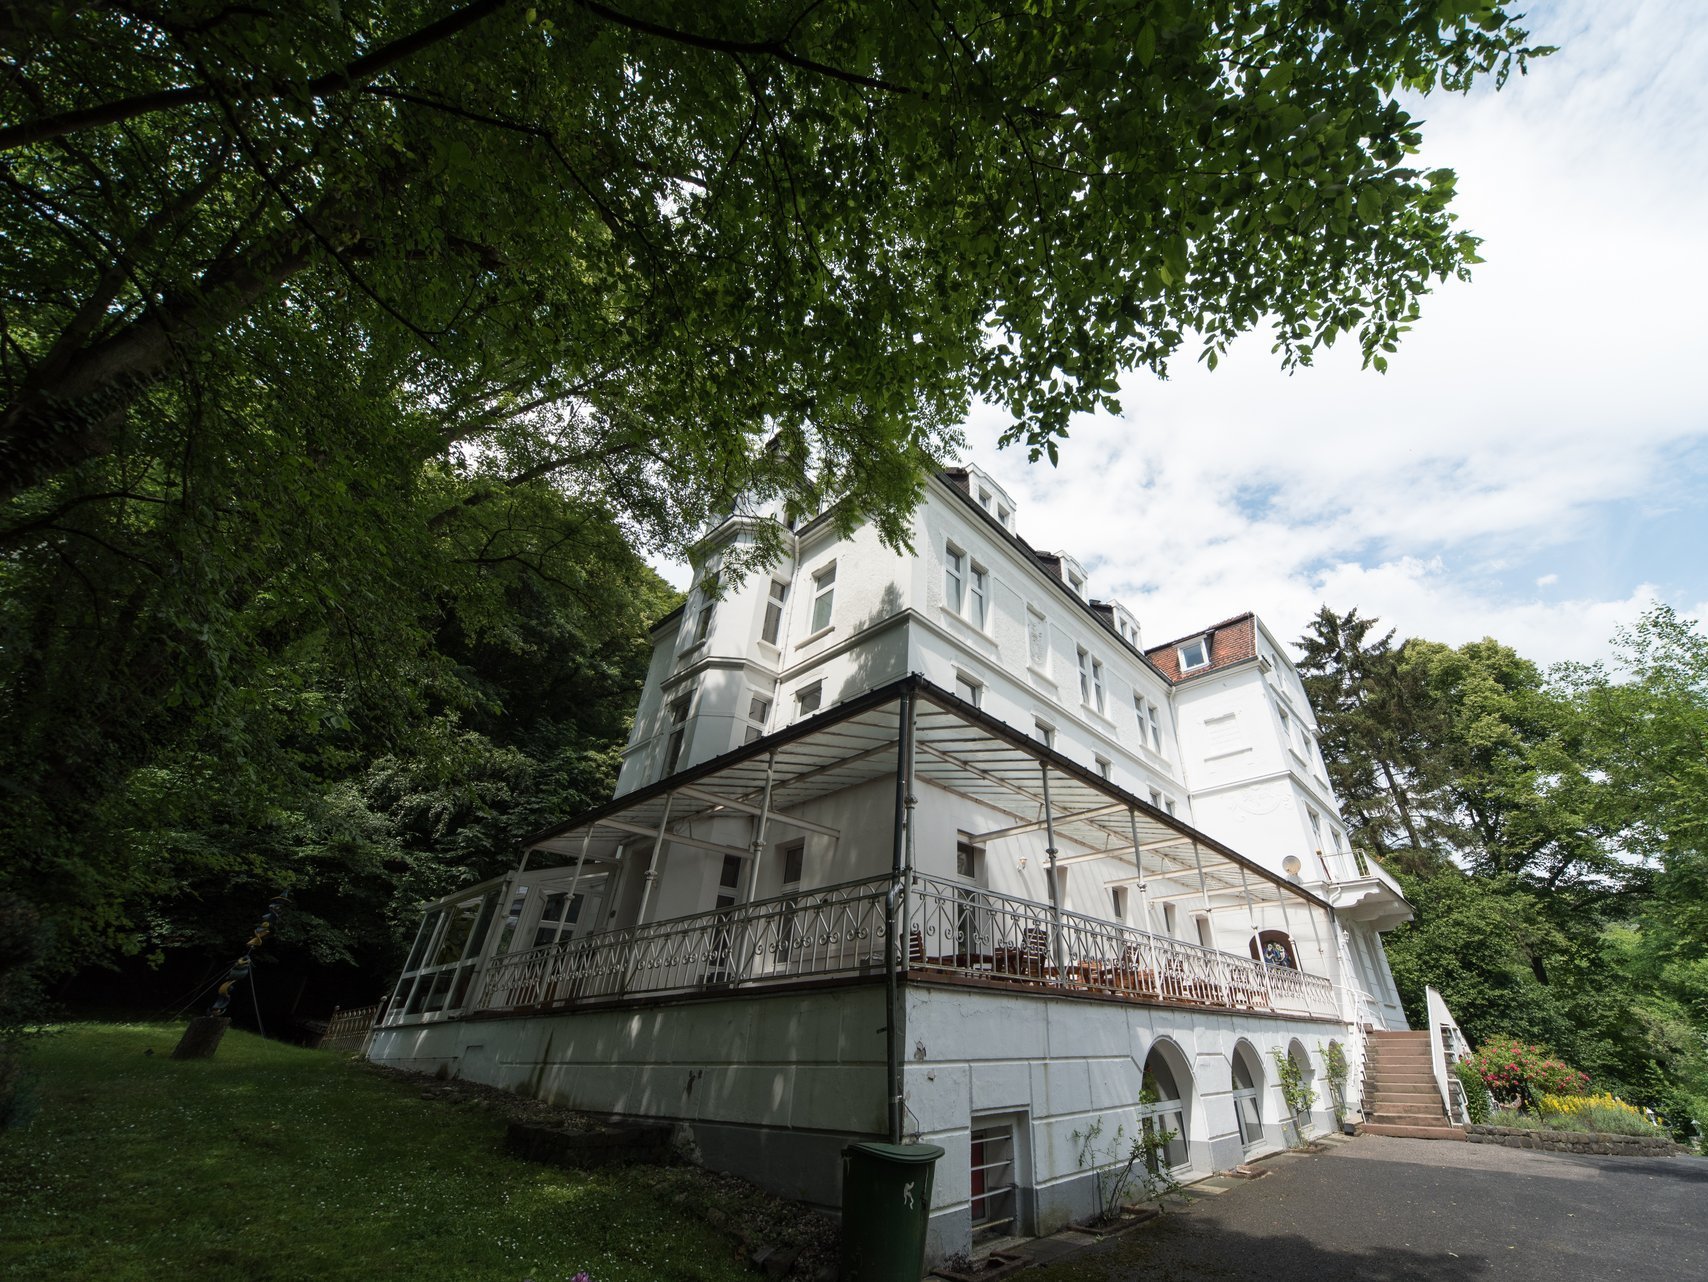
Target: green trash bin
<point>886,1201</point>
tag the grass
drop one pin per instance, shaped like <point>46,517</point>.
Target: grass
<point>273,1162</point>
<point>1605,1121</point>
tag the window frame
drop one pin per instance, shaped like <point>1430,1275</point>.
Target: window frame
<point>823,597</point>
<point>771,631</point>
<point>1202,644</point>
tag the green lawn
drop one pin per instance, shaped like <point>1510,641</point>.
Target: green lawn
<point>271,1162</point>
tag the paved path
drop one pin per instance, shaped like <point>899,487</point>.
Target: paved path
<point>1394,1210</point>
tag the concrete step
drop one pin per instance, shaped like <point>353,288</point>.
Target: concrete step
<point>1389,1117</point>
<point>1402,1131</point>
<point>1386,1106</point>
<point>1401,1034</point>
<point>1406,1056</point>
<point>1409,1096</point>
<point>1401,1082</point>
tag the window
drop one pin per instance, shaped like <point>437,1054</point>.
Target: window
<point>823,591</point>
<point>1076,582</point>
<point>1104,767</point>
<point>1205,936</point>
<point>1286,725</point>
<point>1004,517</point>
<point>678,730</point>
<point>968,689</point>
<point>1194,654</point>
<point>1168,804</point>
<point>794,862</point>
<point>1097,684</point>
<point>703,621</point>
<point>1084,675</point>
<point>966,856</point>
<point>1246,1100</point>
<point>1316,828</point>
<point>1156,798</point>
<point>774,612</point>
<point>1118,902</point>
<point>1045,731</point>
<point>1058,884</point>
<point>993,1182</point>
<point>758,710</point>
<point>1037,638</point>
<point>1171,921</point>
<point>808,698</point>
<point>1156,728</point>
<point>978,594</point>
<point>954,578</point>
<point>984,499</point>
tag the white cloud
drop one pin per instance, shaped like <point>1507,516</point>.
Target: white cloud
<point>1564,379</point>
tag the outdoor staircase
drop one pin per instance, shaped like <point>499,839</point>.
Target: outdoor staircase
<point>1400,1095</point>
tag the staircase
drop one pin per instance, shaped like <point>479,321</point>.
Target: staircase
<point>1400,1094</point>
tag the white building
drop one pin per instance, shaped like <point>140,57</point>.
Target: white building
<point>930,844</point>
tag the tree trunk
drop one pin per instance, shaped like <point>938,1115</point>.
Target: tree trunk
<point>201,1039</point>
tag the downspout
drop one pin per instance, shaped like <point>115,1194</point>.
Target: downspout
<point>575,881</point>
<point>893,1015</point>
<point>758,846</point>
<point>1262,961</point>
<point>1055,878</point>
<point>652,866</point>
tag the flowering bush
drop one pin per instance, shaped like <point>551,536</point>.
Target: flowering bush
<point>1604,1112</point>
<point>1516,1071</point>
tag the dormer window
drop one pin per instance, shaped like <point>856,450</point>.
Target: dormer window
<point>1004,517</point>
<point>1195,654</point>
<point>984,499</point>
<point>1076,582</point>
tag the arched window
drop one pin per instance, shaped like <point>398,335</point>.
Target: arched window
<point>1248,1106</point>
<point>1164,1102</point>
<point>1277,948</point>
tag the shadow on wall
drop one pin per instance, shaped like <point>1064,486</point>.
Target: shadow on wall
<point>881,662</point>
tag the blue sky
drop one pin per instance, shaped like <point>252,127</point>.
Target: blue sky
<point>1532,467</point>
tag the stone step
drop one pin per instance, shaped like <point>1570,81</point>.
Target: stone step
<point>1400,1082</point>
<point>1386,1106</point>
<point>1410,1095</point>
<point>1405,1055</point>
<point>1391,1036</point>
<point>1403,1131</point>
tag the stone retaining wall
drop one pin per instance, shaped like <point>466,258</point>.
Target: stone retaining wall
<point>1574,1141</point>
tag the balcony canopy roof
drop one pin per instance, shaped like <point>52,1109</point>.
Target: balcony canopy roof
<point>956,747</point>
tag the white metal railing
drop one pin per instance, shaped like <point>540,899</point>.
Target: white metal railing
<point>1447,1046</point>
<point>840,930</point>
<point>965,930</point>
<point>836,930</point>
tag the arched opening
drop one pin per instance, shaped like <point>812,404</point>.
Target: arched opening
<point>1274,947</point>
<point>1301,1060</point>
<point>1248,1100</point>
<point>1164,1102</point>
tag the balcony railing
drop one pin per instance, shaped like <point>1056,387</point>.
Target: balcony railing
<point>966,931</point>
<point>839,931</point>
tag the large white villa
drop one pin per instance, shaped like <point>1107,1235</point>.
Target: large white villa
<point>931,846</point>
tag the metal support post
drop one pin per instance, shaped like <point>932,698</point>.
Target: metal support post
<point>652,866</point>
<point>1056,949</point>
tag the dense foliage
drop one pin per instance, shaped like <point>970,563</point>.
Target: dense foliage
<point>1551,829</point>
<point>346,351</point>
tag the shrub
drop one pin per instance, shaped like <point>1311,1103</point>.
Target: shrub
<point>23,940</point>
<point>1477,1102</point>
<point>1606,1113</point>
<point>1517,1072</point>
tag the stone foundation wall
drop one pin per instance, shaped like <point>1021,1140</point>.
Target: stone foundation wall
<point>1573,1141</point>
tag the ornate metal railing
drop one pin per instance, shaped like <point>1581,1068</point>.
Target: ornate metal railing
<point>967,931</point>
<point>950,928</point>
<point>835,931</point>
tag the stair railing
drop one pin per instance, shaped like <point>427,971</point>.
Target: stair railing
<point>1447,1045</point>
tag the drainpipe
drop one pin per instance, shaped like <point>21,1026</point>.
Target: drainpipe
<point>893,1015</point>
<point>1262,961</point>
<point>652,867</point>
<point>759,828</point>
<point>1139,867</point>
<point>575,881</point>
<point>1055,878</point>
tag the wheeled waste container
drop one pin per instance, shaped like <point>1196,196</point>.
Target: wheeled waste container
<point>886,1201</point>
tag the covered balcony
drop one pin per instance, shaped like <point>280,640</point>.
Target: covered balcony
<point>904,836</point>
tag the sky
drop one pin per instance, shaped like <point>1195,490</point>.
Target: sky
<point>1532,465</point>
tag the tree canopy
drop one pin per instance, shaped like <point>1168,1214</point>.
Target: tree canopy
<point>623,244</point>
<point>1555,839</point>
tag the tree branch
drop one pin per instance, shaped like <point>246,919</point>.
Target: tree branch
<point>353,75</point>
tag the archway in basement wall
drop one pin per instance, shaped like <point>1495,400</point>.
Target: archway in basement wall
<point>1248,1083</point>
<point>1301,1059</point>
<point>1168,1075</point>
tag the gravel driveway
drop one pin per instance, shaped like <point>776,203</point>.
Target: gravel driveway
<point>1426,1211</point>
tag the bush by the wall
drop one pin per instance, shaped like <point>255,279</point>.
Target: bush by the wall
<point>1517,1072</point>
<point>1477,1102</point>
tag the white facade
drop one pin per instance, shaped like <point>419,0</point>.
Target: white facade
<point>1056,912</point>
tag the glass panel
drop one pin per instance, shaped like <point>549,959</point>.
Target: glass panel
<point>459,994</point>
<point>437,994</point>
<point>424,939</point>
<point>457,932</point>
